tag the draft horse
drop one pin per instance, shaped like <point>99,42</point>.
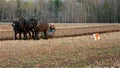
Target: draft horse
<point>19,28</point>
<point>39,27</point>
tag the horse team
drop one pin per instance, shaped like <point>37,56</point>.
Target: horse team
<point>33,26</point>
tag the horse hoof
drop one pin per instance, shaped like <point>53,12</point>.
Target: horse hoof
<point>24,38</point>
<point>37,38</point>
<point>46,38</point>
<point>33,36</point>
<point>20,39</point>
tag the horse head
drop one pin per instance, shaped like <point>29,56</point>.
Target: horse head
<point>33,22</point>
<point>21,23</point>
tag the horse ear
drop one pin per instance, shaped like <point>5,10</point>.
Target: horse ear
<point>53,26</point>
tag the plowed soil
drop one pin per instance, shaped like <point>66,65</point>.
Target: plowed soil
<point>66,30</point>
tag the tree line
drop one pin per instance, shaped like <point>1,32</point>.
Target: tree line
<point>62,11</point>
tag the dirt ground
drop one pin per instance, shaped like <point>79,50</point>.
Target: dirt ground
<point>67,52</point>
<point>66,30</point>
<point>80,51</point>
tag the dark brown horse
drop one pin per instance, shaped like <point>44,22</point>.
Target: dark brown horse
<point>28,27</point>
<point>20,27</point>
<point>39,27</point>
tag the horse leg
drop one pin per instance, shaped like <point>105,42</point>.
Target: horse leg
<point>15,35</point>
<point>20,35</point>
<point>46,35</point>
<point>32,33</point>
<point>25,35</point>
<point>36,35</point>
<point>29,34</point>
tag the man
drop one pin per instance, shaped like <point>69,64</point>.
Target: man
<point>51,30</point>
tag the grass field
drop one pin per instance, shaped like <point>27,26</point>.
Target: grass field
<point>66,52</point>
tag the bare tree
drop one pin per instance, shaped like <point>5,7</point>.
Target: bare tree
<point>66,11</point>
